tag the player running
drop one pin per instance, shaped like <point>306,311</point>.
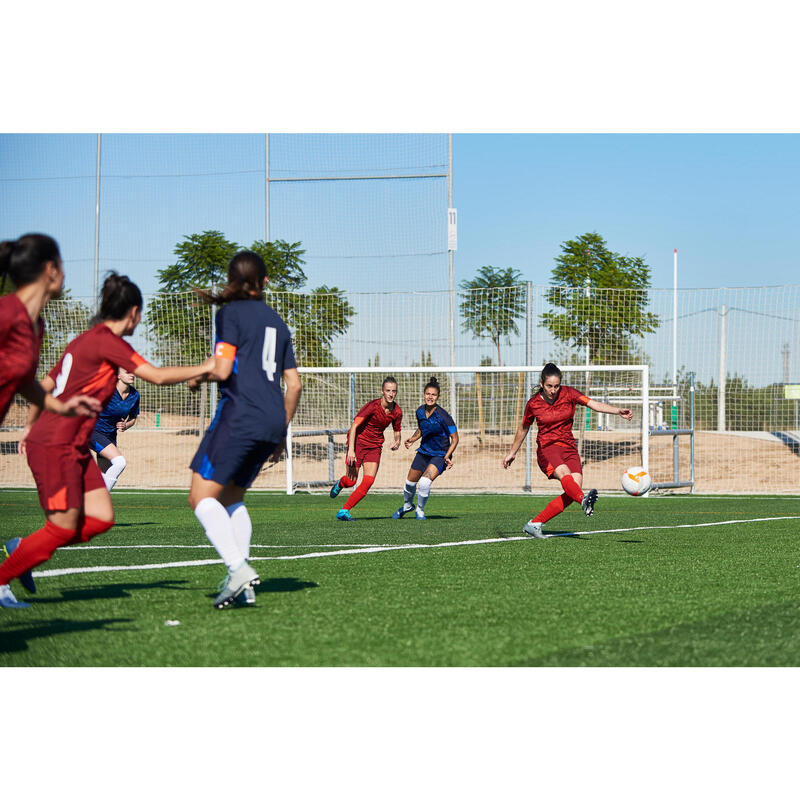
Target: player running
<point>553,408</point>
<point>76,502</point>
<point>434,455</point>
<point>253,352</point>
<point>33,262</point>
<point>365,443</point>
<point>119,415</point>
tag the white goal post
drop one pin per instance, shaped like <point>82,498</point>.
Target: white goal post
<point>486,403</point>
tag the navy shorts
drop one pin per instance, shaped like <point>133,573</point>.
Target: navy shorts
<point>422,461</point>
<point>100,441</point>
<point>223,458</point>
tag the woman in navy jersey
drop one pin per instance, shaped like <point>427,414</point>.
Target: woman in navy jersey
<point>553,409</point>
<point>33,263</point>
<point>435,454</point>
<point>72,493</point>
<point>119,415</point>
<point>252,353</point>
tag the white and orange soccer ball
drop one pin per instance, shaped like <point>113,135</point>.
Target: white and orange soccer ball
<point>636,481</point>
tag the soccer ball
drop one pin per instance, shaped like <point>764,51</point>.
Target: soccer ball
<point>636,481</point>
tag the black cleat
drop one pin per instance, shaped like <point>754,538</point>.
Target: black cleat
<point>587,504</point>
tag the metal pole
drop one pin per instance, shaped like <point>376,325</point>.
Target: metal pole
<point>451,277</point>
<point>675,339</point>
<point>528,363</point>
<point>646,420</point>
<point>266,185</point>
<point>722,373</point>
<point>97,227</point>
<point>691,438</point>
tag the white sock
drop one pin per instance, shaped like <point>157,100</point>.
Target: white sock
<point>423,492</point>
<point>219,529</point>
<point>408,492</point>
<point>242,527</point>
<point>111,475</point>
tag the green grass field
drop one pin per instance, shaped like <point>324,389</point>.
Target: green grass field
<point>656,584</point>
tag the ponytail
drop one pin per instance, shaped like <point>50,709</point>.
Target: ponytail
<point>117,297</point>
<point>246,275</point>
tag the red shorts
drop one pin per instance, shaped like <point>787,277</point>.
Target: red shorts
<point>63,475</point>
<point>368,453</point>
<point>553,455</point>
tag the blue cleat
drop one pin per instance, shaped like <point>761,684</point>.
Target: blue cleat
<point>344,515</point>
<point>336,489</point>
<point>7,599</point>
<point>402,511</point>
<point>26,579</point>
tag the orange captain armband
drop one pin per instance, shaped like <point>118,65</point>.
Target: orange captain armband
<point>225,350</point>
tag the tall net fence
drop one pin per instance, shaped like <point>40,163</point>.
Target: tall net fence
<point>741,345</point>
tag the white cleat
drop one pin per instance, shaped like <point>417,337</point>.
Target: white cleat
<point>534,529</point>
<point>420,514</point>
<point>235,583</point>
<point>7,599</point>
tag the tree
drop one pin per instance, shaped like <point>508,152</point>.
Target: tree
<point>493,302</point>
<point>181,325</point>
<point>608,321</point>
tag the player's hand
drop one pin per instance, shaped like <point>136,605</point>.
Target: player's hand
<point>350,458</point>
<point>626,413</point>
<point>448,462</point>
<point>507,461</point>
<point>121,426</point>
<point>194,384</point>
<point>208,365</point>
<point>22,444</point>
<point>408,443</point>
<point>396,446</point>
<point>82,406</point>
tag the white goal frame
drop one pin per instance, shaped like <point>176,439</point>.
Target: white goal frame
<point>635,396</point>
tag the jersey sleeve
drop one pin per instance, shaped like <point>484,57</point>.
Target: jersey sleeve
<point>288,359</point>
<point>366,411</point>
<point>398,420</point>
<point>135,410</point>
<point>119,353</point>
<point>227,334</point>
<point>447,420</point>
<point>528,417</point>
<point>577,397</point>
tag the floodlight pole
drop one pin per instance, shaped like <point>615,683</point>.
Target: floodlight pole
<point>266,187</point>
<point>451,278</point>
<point>97,227</point>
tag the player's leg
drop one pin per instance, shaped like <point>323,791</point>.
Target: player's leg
<point>410,488</point>
<point>432,471</point>
<point>347,480</point>
<point>232,498</point>
<point>369,469</point>
<point>106,447</point>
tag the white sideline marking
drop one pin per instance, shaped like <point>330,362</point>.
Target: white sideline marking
<point>50,573</point>
<point>197,546</point>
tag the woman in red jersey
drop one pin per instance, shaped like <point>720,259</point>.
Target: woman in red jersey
<point>365,443</point>
<point>71,488</point>
<point>553,408</point>
<point>33,263</point>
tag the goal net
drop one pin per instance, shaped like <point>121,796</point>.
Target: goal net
<point>487,405</point>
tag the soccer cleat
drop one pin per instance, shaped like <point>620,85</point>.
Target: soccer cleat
<point>402,511</point>
<point>26,579</point>
<point>534,529</point>
<point>337,487</point>
<point>235,583</point>
<point>420,515</point>
<point>7,599</point>
<point>344,515</point>
<point>247,597</point>
<point>587,504</point>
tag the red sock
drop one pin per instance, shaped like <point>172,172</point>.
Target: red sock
<point>346,482</point>
<point>90,528</point>
<point>358,495</point>
<point>34,549</point>
<point>553,508</point>
<point>571,488</point>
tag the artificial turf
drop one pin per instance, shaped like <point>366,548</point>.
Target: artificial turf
<point>659,595</point>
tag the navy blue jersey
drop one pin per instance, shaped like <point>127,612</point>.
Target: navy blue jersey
<point>436,431</point>
<point>251,333</point>
<point>117,408</point>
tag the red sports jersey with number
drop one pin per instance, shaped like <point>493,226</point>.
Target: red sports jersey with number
<point>88,366</point>
<point>554,422</point>
<point>19,349</point>
<point>374,421</point>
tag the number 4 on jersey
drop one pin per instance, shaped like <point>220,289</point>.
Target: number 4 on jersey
<point>268,353</point>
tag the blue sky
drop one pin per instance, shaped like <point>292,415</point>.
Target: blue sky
<point>726,201</point>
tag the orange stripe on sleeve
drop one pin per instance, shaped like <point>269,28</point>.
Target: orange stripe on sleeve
<point>583,399</point>
<point>225,350</point>
<point>138,360</point>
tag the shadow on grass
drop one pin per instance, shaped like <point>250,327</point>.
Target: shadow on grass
<point>111,591</point>
<point>280,585</point>
<point>132,524</point>
<point>16,641</point>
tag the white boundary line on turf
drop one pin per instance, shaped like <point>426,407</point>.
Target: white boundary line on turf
<point>200,546</point>
<point>49,573</point>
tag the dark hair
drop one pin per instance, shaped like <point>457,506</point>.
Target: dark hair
<point>433,384</point>
<point>389,379</point>
<point>550,370</point>
<point>23,260</point>
<point>117,297</point>
<point>246,274</point>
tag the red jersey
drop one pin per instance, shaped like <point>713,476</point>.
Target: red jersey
<point>554,421</point>
<point>374,421</point>
<point>19,349</point>
<point>88,366</point>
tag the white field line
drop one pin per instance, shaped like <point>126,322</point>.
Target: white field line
<point>199,546</point>
<point>49,573</point>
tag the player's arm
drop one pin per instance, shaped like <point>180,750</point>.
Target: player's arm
<point>126,424</point>
<point>448,458</point>
<point>39,397</point>
<point>519,438</point>
<point>413,438</point>
<point>605,408</point>
<point>167,376</point>
<point>350,458</point>
<point>291,398</point>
